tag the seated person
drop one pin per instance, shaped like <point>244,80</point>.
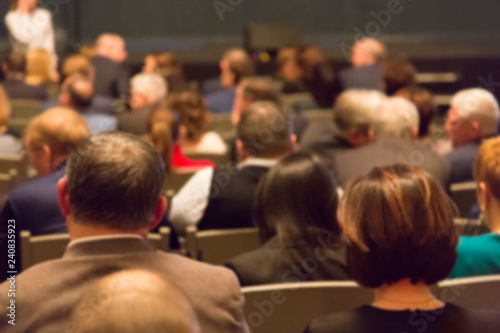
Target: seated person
<point>473,116</point>
<point>163,134</point>
<point>234,66</point>
<point>140,301</point>
<point>352,116</point>
<point>111,74</point>
<point>293,231</point>
<point>146,93</point>
<point>109,213</point>
<point>14,68</point>
<point>366,72</point>
<point>289,73</point>
<point>77,93</point>
<point>194,136</point>
<point>39,72</point>
<point>9,144</point>
<point>395,221</point>
<point>395,129</point>
<point>480,255</point>
<point>223,198</point>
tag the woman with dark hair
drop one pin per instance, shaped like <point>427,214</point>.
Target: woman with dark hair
<point>169,67</point>
<point>31,28</point>
<point>295,208</point>
<point>398,225</point>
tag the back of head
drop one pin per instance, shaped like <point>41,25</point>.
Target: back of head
<point>151,87</point>
<point>4,110</point>
<point>239,63</point>
<point>478,104</point>
<point>398,73</point>
<point>15,62</point>
<point>425,104</point>
<point>61,129</point>
<point>395,220</point>
<point>264,131</point>
<point>134,301</point>
<point>487,166</point>
<point>193,111</point>
<point>38,64</point>
<point>396,117</point>
<point>124,186</point>
<point>367,51</point>
<point>259,89</point>
<point>355,110</point>
<point>76,64</point>
<point>297,200</point>
<point>81,91</point>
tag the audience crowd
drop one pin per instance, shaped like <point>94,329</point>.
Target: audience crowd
<point>364,191</point>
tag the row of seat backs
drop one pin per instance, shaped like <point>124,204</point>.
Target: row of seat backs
<point>289,307</point>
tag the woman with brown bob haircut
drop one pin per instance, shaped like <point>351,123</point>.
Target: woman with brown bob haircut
<point>398,227</point>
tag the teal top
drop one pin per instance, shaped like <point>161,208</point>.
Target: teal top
<point>477,255</point>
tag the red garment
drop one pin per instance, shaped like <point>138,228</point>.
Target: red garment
<point>181,161</point>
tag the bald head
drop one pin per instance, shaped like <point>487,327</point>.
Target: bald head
<point>367,51</point>
<point>111,46</point>
<point>235,65</point>
<point>134,301</point>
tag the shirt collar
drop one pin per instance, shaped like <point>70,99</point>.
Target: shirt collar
<point>101,238</point>
<point>259,162</point>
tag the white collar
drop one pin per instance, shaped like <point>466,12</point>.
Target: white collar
<point>260,162</point>
<point>99,238</point>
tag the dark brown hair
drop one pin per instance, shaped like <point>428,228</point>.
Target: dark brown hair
<point>297,200</point>
<point>398,73</point>
<point>162,134</point>
<point>424,101</point>
<point>398,224</point>
<point>259,89</point>
<point>114,181</point>
<point>193,112</point>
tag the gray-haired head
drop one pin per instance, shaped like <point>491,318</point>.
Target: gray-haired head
<point>396,117</point>
<point>114,181</point>
<point>264,130</point>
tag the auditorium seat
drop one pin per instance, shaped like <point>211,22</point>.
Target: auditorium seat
<point>464,196</point>
<point>318,115</point>
<point>19,164</point>
<point>175,181</point>
<point>37,249</point>
<point>471,227</point>
<point>482,292</point>
<point>218,246</point>
<point>24,108</point>
<point>289,307</point>
<point>298,102</point>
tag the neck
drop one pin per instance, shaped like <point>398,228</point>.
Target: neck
<point>78,231</point>
<point>404,295</point>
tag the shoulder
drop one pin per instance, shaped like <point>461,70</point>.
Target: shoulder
<point>37,185</point>
<point>464,152</point>
<point>343,322</point>
<point>471,319</point>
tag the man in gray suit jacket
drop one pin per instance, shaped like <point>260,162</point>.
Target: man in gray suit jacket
<point>111,197</point>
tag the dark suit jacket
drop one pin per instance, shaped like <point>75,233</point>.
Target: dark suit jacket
<point>60,284</point>
<point>221,101</point>
<point>99,104</point>
<point>272,263</point>
<point>111,78</point>
<point>366,77</point>
<point>352,164</point>
<point>136,121</point>
<point>17,89</point>
<point>462,162</point>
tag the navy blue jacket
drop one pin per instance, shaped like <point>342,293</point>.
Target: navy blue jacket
<point>462,162</point>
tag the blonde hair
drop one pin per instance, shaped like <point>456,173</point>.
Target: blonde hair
<point>76,64</point>
<point>487,165</point>
<point>62,129</point>
<point>38,64</point>
<point>4,110</point>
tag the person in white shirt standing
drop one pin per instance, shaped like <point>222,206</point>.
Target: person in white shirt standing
<point>31,27</point>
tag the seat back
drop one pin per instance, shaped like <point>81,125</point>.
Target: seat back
<point>220,160</point>
<point>19,164</point>
<point>290,307</point>
<point>25,109</point>
<point>471,227</point>
<point>318,115</point>
<point>464,196</point>
<point>298,102</point>
<point>221,123</point>
<point>476,293</point>
<point>37,249</point>
<point>7,181</point>
<point>218,246</point>
<point>175,181</point>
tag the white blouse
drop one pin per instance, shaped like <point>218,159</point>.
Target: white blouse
<point>33,29</point>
